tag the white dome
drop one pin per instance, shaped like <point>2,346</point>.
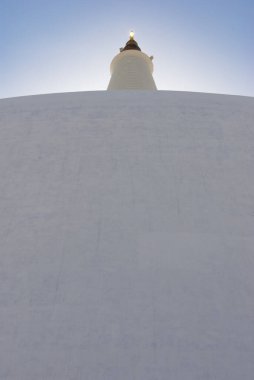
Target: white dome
<point>126,236</point>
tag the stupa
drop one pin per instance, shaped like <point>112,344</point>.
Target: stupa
<point>131,69</point>
<point>126,233</point>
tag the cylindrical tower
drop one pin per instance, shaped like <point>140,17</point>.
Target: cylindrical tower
<point>131,69</point>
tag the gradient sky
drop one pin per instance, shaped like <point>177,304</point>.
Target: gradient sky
<point>67,45</point>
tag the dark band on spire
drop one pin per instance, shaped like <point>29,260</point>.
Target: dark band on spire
<point>131,45</point>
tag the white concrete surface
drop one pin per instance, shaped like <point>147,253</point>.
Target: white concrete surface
<point>126,237</point>
<point>131,70</point>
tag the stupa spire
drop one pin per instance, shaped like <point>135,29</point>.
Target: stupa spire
<point>131,44</point>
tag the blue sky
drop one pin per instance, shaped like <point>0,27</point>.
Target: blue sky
<point>67,45</point>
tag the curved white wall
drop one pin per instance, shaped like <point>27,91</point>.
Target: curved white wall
<point>131,70</point>
<point>126,236</point>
